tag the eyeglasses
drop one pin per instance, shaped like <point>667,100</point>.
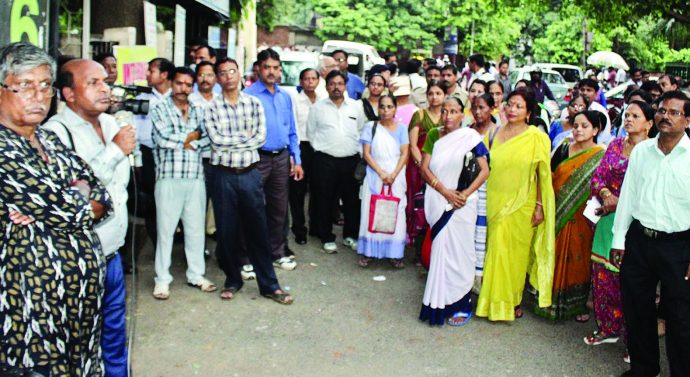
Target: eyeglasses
<point>577,107</point>
<point>672,113</point>
<point>26,90</point>
<point>227,72</point>
<point>341,60</point>
<point>205,75</point>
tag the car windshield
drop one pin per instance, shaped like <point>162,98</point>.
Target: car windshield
<point>291,70</point>
<point>569,74</point>
<point>552,78</point>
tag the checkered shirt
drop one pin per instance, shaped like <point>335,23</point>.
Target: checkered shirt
<point>170,130</point>
<point>236,131</point>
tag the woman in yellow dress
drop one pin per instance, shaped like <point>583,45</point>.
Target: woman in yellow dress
<point>520,214</point>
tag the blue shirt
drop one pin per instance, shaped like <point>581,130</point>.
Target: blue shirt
<point>355,86</point>
<point>281,130</point>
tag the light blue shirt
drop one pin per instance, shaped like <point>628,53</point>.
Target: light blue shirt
<point>281,130</point>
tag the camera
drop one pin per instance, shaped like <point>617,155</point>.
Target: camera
<point>124,99</point>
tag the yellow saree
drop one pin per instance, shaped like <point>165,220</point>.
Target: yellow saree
<point>513,244</point>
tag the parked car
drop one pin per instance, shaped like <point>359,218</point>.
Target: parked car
<point>571,73</point>
<point>293,62</point>
<point>361,57</point>
<point>556,83</point>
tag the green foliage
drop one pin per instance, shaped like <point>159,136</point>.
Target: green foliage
<point>387,25</point>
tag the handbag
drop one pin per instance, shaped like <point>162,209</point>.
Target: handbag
<point>470,171</point>
<point>361,168</point>
<point>383,212</point>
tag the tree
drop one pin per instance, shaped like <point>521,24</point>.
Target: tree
<point>387,25</point>
<point>562,40</point>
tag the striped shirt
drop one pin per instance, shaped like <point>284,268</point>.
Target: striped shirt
<point>170,130</point>
<point>236,131</point>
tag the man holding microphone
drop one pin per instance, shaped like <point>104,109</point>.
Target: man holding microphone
<point>98,139</point>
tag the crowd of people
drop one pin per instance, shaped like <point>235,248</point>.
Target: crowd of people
<point>490,194</point>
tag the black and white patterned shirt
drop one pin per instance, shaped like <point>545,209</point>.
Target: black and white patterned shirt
<point>236,131</point>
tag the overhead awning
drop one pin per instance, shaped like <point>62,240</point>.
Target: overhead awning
<point>220,6</point>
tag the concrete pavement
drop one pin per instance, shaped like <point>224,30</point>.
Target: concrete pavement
<point>343,323</point>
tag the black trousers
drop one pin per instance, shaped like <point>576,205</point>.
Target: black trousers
<point>648,261</point>
<point>298,191</point>
<point>332,179</point>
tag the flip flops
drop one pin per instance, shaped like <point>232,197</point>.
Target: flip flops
<point>466,319</point>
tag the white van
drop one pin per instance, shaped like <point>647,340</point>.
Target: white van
<point>361,57</point>
<point>571,73</point>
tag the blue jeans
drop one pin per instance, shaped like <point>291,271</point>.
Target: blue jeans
<point>239,197</point>
<point>114,336</point>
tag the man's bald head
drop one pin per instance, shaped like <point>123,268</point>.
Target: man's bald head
<point>83,86</point>
<point>326,65</point>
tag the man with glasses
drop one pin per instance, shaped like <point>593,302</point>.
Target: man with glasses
<point>100,141</point>
<point>236,126</point>
<point>355,86</point>
<point>333,128</point>
<point>651,241</point>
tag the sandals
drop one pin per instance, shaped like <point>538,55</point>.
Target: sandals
<point>363,262</point>
<point>518,312</point>
<point>397,263</point>
<point>228,293</point>
<point>598,338</point>
<point>465,319</point>
<point>582,318</point>
<point>161,291</point>
<point>204,285</point>
<point>280,297</point>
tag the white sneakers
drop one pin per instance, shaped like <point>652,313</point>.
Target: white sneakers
<point>330,248</point>
<point>247,272</point>
<point>350,242</point>
<point>285,263</point>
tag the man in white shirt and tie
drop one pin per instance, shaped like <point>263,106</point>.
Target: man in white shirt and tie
<point>651,241</point>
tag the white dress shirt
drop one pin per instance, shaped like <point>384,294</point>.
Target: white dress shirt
<point>108,163</point>
<point>143,122</point>
<point>604,136</point>
<point>301,105</point>
<point>335,130</point>
<point>655,190</point>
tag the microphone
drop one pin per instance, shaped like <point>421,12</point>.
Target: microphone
<point>123,119</point>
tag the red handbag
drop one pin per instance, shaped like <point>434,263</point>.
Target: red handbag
<point>383,212</point>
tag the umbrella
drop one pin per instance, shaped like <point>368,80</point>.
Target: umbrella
<point>607,58</point>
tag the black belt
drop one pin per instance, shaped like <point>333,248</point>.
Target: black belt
<point>237,170</point>
<point>661,236</point>
<point>272,153</point>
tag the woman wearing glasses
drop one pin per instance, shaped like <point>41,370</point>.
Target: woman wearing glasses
<point>51,264</point>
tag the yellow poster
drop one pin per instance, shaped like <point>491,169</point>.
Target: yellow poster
<point>132,64</point>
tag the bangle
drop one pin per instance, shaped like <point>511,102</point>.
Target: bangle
<point>433,183</point>
<point>540,204</point>
<point>605,193</point>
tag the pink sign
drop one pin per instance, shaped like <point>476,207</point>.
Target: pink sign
<point>134,72</point>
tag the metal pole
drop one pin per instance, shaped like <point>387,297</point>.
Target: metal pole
<point>584,43</point>
<point>472,41</point>
<point>86,30</point>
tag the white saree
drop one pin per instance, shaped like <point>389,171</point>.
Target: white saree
<point>385,149</point>
<point>453,257</point>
